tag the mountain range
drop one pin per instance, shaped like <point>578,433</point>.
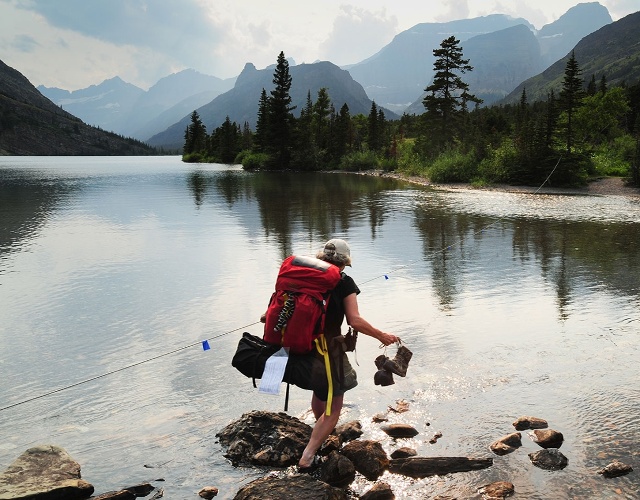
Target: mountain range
<point>506,54</point>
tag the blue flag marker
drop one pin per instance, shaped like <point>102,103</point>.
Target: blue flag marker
<point>386,277</point>
<point>205,345</point>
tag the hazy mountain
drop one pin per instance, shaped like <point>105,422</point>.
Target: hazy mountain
<point>241,103</point>
<point>613,50</point>
<point>30,124</point>
<point>128,110</point>
<point>398,74</point>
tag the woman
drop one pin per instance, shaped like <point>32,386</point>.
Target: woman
<point>342,304</point>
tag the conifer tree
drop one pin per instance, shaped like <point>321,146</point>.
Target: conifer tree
<point>195,136</point>
<point>280,117</point>
<point>448,95</point>
<point>262,124</point>
<point>571,96</point>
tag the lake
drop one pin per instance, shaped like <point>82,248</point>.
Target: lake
<point>114,270</point>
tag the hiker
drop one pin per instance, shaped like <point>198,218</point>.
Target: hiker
<point>343,303</point>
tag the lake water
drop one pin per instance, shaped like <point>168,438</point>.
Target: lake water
<point>513,304</point>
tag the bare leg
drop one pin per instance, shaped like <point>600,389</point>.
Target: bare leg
<point>324,426</point>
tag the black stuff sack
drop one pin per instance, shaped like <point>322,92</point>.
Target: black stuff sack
<point>252,354</point>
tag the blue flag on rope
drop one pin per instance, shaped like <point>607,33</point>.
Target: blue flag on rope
<point>205,345</point>
<point>386,277</point>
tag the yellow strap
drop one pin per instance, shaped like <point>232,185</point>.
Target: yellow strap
<point>321,346</point>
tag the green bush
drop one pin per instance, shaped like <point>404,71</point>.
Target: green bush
<point>453,166</point>
<point>358,161</point>
<point>496,168</point>
<point>192,158</point>
<point>409,161</point>
<point>256,161</point>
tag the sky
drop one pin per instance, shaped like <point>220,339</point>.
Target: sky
<point>72,44</point>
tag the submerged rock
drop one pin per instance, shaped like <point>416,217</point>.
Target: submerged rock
<point>525,423</point>
<point>379,491</point>
<point>615,469</point>
<point>404,452</point>
<point>419,467</point>
<point>551,459</point>
<point>506,444</point>
<point>265,438</point>
<point>44,472</point>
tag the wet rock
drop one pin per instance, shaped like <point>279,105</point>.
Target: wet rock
<point>498,490</point>
<point>615,469</point>
<point>265,438</point>
<point>419,467</point>
<point>400,430</point>
<point>506,444</point>
<point>551,459</point>
<point>298,486</point>
<point>435,438</point>
<point>208,492</point>
<point>547,438</point>
<point>331,444</point>
<point>115,495</point>
<point>368,457</point>
<point>44,472</point>
<point>379,491</point>
<point>404,453</point>
<point>349,431</point>
<point>337,470</point>
<point>140,490</point>
<point>380,417</point>
<point>525,423</point>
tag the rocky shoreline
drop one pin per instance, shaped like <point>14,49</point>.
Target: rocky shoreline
<point>602,186</point>
<point>273,442</point>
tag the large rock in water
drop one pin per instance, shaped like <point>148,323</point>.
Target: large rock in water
<point>299,486</point>
<point>44,473</point>
<point>265,438</point>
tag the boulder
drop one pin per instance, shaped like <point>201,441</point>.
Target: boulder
<point>547,438</point>
<point>399,430</point>
<point>419,467</point>
<point>506,444</point>
<point>525,423</point>
<point>349,431</point>
<point>208,492</point>
<point>379,491</point>
<point>331,444</point>
<point>497,490</point>
<point>337,470</point>
<point>368,457</point>
<point>297,486</point>
<point>403,452</point>
<point>42,473</point>
<point>265,438</point>
<point>551,459</point>
<point>615,469</point>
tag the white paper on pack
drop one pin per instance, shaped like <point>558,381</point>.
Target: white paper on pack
<point>274,372</point>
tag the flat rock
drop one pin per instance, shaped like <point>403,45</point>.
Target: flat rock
<point>399,430</point>
<point>419,467</point>
<point>403,452</point>
<point>349,431</point>
<point>551,459</point>
<point>615,469</point>
<point>298,486</point>
<point>43,473</point>
<point>525,423</point>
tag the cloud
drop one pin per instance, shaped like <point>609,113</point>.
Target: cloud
<point>24,43</point>
<point>180,30</point>
<point>355,32</point>
<point>456,9</point>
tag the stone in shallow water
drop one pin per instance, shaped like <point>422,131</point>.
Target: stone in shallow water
<point>547,438</point>
<point>524,423</point>
<point>44,472</point>
<point>507,444</point>
<point>551,459</point>
<point>497,490</point>
<point>615,469</point>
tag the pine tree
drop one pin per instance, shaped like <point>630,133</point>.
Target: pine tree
<point>195,136</point>
<point>448,95</point>
<point>280,117</point>
<point>571,96</point>
<point>261,139</point>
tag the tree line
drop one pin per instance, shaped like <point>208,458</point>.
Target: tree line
<point>587,129</point>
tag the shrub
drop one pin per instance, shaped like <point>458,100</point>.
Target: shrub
<point>256,161</point>
<point>359,160</point>
<point>453,166</point>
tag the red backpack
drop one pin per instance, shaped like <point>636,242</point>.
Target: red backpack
<point>295,316</point>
